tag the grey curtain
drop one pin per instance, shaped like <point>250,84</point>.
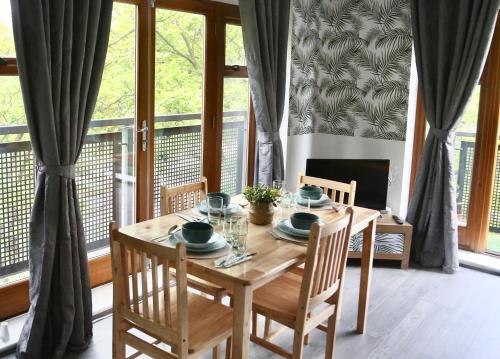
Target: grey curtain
<point>61,48</point>
<point>265,35</point>
<point>451,39</point>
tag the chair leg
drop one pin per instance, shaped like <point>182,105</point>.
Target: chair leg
<point>229,342</point>
<point>216,352</point>
<point>338,309</point>
<point>216,349</point>
<point>118,344</point>
<point>255,326</point>
<point>306,337</point>
<point>267,328</point>
<point>330,336</point>
<point>298,345</point>
<point>229,346</point>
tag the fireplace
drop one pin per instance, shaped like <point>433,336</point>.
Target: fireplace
<point>371,176</point>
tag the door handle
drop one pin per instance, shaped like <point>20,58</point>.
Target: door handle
<point>144,131</point>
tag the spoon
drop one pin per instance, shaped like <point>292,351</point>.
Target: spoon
<point>171,230</point>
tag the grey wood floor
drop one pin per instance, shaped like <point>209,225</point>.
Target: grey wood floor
<point>412,314</point>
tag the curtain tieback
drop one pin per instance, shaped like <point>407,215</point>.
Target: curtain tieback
<point>67,171</point>
<point>441,135</point>
<point>268,136</point>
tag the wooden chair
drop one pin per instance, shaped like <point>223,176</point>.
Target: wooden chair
<point>151,314</point>
<point>181,198</point>
<point>337,191</point>
<point>303,302</point>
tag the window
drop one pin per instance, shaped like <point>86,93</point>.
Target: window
<point>105,170</point>
<point>17,179</point>
<point>173,106</point>
<point>236,99</point>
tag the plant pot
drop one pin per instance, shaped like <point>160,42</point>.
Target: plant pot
<point>261,213</point>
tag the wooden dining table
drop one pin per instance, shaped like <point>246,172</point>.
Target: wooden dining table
<point>273,258</point>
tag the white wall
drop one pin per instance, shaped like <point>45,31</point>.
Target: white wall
<point>300,148</point>
<point>307,140</point>
<point>318,145</point>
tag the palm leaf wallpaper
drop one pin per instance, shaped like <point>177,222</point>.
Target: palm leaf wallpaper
<point>350,68</point>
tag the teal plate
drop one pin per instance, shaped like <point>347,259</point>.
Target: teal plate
<point>286,227</point>
<point>324,200</point>
<point>215,243</point>
<point>231,209</point>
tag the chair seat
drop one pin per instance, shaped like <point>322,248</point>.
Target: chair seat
<point>279,299</point>
<point>209,322</point>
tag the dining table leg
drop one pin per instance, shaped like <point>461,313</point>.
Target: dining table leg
<point>366,270</point>
<point>241,321</point>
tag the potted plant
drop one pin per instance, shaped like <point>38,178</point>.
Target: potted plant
<point>261,199</point>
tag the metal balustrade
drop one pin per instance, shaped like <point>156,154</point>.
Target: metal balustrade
<point>465,145</point>
<point>101,176</point>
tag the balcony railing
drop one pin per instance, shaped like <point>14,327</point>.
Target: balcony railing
<point>464,148</point>
<point>104,185</point>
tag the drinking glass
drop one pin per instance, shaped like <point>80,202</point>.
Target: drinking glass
<point>228,224</point>
<point>215,207</point>
<point>278,214</point>
<point>240,231</point>
<point>280,185</point>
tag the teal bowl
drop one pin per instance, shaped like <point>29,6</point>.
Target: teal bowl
<point>311,192</point>
<point>225,197</point>
<point>197,232</point>
<point>303,220</point>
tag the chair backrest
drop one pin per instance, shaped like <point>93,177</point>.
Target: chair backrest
<point>325,263</point>
<point>141,305</point>
<point>337,191</point>
<point>176,199</point>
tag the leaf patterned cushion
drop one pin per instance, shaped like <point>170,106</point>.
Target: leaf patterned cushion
<point>384,243</point>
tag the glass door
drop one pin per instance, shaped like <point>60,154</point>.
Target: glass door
<point>493,241</point>
<point>465,144</point>
<point>201,97</point>
<point>179,67</point>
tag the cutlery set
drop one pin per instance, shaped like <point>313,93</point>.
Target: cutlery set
<point>232,260</point>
